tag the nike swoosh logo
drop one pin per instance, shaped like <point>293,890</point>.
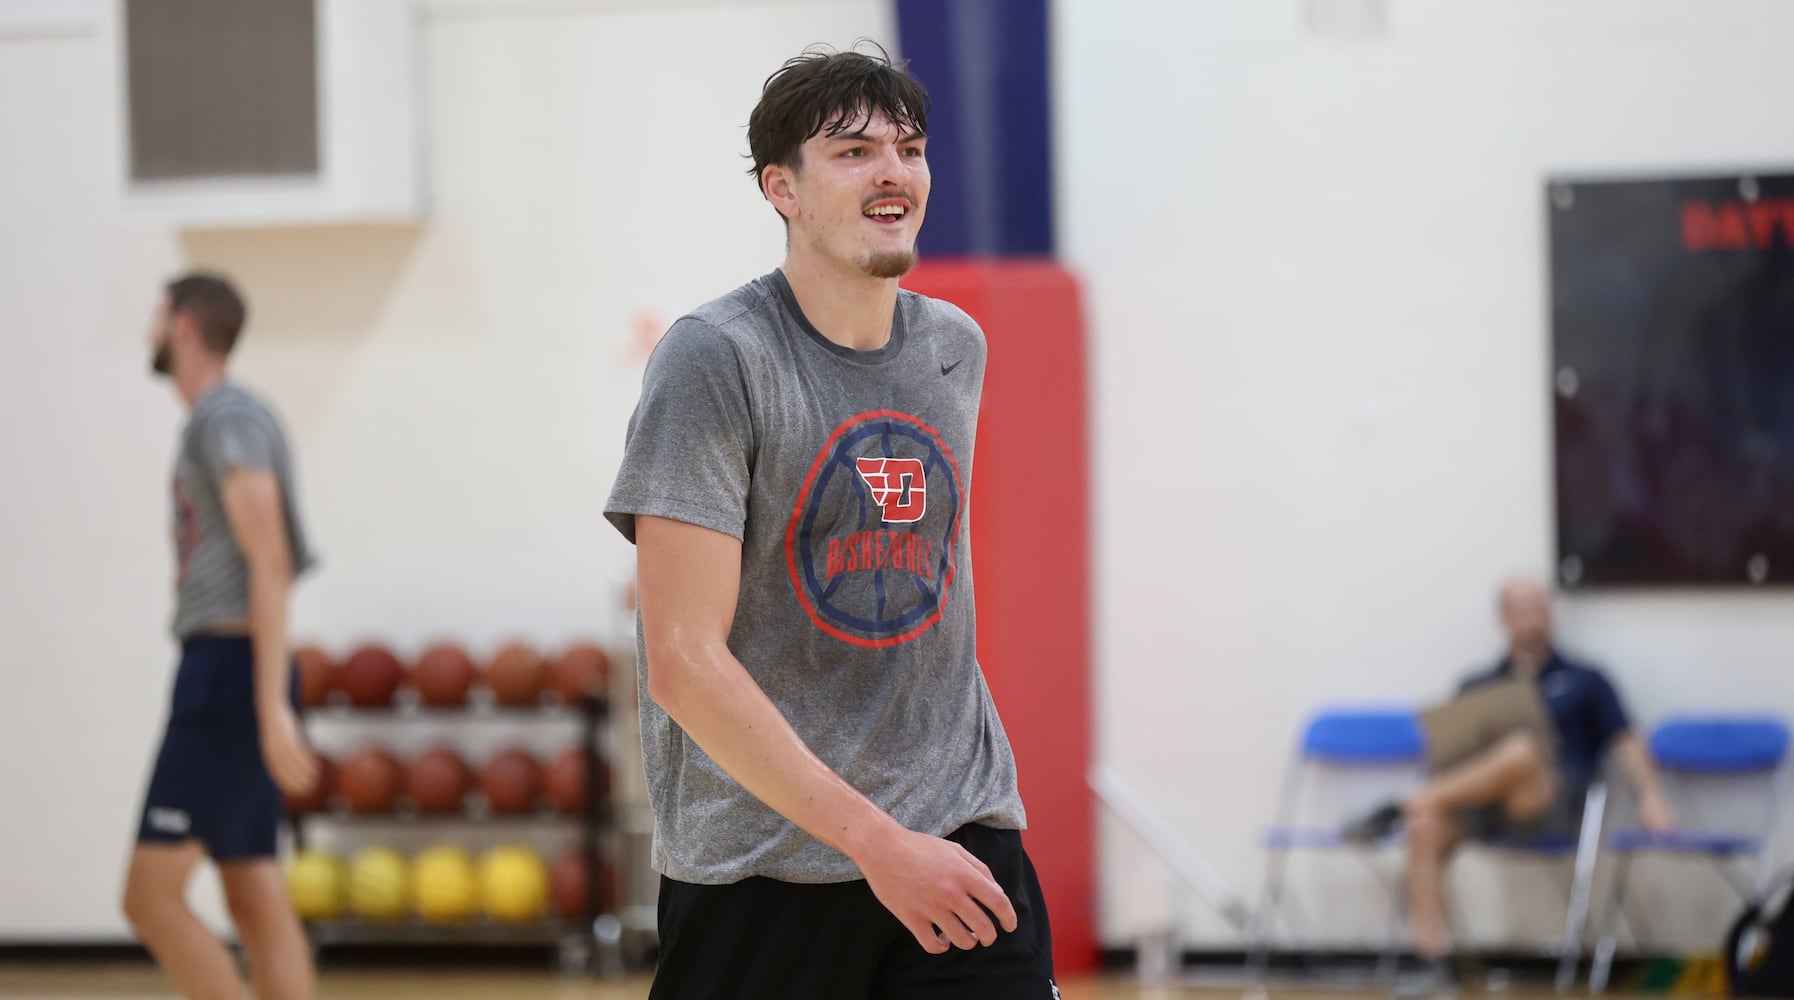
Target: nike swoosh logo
<point>948,369</point>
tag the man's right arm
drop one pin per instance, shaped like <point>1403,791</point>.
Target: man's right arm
<point>688,580</point>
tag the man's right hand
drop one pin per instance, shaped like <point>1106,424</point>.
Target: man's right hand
<point>689,583</point>
<point>930,883</point>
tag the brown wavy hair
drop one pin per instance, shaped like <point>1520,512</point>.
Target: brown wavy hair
<point>830,92</point>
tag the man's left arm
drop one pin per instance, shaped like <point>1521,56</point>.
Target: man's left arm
<point>1653,808</point>
<point>1635,759</point>
<point>252,503</point>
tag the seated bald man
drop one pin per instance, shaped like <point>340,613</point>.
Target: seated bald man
<point>1512,787</point>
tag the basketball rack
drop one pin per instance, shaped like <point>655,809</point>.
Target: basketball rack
<point>592,943</point>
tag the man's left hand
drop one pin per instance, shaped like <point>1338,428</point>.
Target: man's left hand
<point>1655,814</point>
<point>294,768</point>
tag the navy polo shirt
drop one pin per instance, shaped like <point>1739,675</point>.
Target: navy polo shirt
<point>1584,709</point>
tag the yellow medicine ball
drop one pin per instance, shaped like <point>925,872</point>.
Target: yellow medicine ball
<point>443,886</point>
<point>513,884</point>
<point>379,884</point>
<point>316,884</point>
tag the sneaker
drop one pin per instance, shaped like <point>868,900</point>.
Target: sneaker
<point>1375,825</point>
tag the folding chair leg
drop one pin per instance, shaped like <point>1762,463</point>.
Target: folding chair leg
<point>1582,880</point>
<point>1746,887</point>
<point>1258,948</point>
<point>1601,966</point>
<point>1569,954</point>
<point>1392,940</point>
<point>1603,963</point>
<point>1778,789</point>
<point>1640,923</point>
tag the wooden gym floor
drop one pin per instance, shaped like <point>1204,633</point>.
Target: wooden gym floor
<point>39,982</point>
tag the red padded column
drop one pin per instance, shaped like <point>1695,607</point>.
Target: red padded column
<point>1031,555</point>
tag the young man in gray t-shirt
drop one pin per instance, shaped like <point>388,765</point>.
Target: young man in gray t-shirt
<point>835,799</point>
<point>232,742</point>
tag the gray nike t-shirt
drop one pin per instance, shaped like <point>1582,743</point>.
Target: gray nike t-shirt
<point>230,428</point>
<point>845,474</point>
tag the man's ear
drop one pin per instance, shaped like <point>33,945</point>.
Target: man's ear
<point>182,325</point>
<point>779,184</point>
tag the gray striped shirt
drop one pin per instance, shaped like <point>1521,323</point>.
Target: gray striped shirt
<point>229,428</point>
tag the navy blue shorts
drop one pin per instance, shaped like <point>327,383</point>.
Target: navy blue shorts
<point>759,939</point>
<point>210,783</point>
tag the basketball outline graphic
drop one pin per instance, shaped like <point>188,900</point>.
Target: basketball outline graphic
<point>875,455</point>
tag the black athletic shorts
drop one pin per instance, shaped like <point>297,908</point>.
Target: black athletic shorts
<point>761,939</point>
<point>1558,822</point>
<point>210,783</point>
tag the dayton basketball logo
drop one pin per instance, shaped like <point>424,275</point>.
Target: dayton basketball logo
<point>870,543</point>
<point>899,486</point>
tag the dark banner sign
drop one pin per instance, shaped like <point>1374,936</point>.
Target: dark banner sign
<point>1672,321</point>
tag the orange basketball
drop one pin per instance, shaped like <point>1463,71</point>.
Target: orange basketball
<point>437,781</point>
<point>567,886</point>
<point>370,676</point>
<point>443,675</point>
<point>565,780</point>
<point>319,796</point>
<point>510,781</point>
<point>571,891</point>
<point>370,780</point>
<point>516,675</point>
<point>582,669</point>
<point>317,675</point>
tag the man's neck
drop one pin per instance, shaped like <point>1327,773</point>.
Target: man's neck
<point>196,381</point>
<point>851,309</point>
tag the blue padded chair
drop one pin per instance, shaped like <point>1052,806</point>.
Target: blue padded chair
<point>1694,751</point>
<point>1335,740</point>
